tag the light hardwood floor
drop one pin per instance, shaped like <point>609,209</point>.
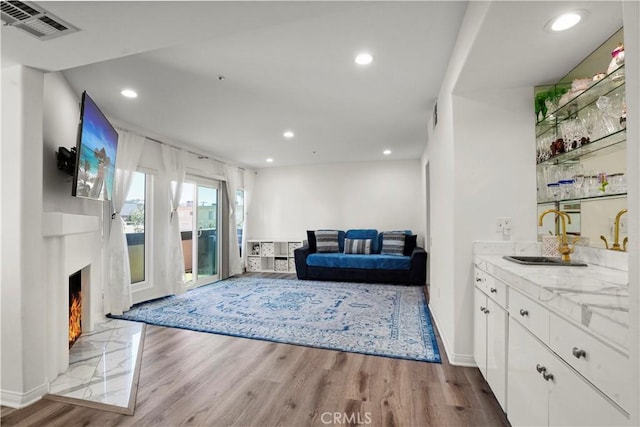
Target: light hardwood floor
<point>200,379</point>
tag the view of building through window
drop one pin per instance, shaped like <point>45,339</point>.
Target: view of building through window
<point>198,212</point>
<point>239,216</point>
<point>206,226</point>
<point>134,218</point>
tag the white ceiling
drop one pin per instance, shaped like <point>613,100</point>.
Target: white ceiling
<point>289,65</point>
<point>512,49</point>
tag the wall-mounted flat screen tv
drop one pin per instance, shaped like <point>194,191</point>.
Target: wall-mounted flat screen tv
<point>96,153</point>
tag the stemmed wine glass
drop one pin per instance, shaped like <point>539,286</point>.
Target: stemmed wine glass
<point>577,171</point>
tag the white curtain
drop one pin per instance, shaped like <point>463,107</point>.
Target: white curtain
<point>248,189</point>
<point>118,288</point>
<point>174,161</point>
<point>235,262</point>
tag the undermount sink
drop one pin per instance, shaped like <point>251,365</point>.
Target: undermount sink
<point>544,260</point>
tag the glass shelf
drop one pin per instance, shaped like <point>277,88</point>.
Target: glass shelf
<point>608,144</point>
<point>602,87</point>
<point>586,198</point>
<point>606,86</point>
<point>596,113</point>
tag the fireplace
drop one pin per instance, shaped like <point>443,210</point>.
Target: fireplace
<point>73,257</point>
<point>75,307</point>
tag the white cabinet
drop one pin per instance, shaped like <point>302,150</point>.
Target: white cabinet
<point>544,390</point>
<point>542,368</point>
<point>527,391</point>
<point>497,323</point>
<point>490,333</point>
<point>480,331</point>
<point>271,255</point>
<point>598,362</point>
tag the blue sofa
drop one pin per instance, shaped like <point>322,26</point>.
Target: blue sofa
<point>409,268</point>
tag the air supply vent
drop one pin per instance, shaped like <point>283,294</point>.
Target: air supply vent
<point>33,19</point>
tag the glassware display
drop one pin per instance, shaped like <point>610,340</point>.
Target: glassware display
<point>578,179</point>
<point>618,183</point>
<point>553,191</point>
<point>581,143</point>
<point>588,121</point>
<point>591,183</point>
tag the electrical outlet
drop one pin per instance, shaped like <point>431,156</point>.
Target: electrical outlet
<point>506,226</point>
<point>503,225</point>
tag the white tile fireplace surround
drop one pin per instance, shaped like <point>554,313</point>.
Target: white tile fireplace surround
<point>71,243</point>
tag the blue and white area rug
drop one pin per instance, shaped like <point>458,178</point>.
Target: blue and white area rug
<point>381,320</point>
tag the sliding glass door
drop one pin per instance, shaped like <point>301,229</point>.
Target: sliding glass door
<point>207,232</point>
<point>199,224</point>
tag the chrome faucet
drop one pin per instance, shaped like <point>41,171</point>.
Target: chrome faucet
<point>616,235</point>
<point>564,248</point>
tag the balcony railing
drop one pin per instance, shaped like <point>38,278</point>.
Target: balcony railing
<point>208,251</point>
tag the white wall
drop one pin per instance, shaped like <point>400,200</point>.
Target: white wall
<point>631,21</point>
<point>384,195</point>
<point>439,153</point>
<point>479,171</point>
<point>23,290</point>
<point>494,177</point>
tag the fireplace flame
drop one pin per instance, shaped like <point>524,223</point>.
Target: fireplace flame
<point>75,314</point>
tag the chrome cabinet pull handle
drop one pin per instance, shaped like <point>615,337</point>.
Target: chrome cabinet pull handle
<point>578,352</point>
<point>523,312</point>
<point>494,290</point>
<point>541,368</point>
<point>547,377</point>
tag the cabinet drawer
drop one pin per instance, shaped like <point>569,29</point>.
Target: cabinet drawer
<point>530,314</point>
<point>494,288</point>
<point>481,280</point>
<point>497,291</point>
<point>605,367</point>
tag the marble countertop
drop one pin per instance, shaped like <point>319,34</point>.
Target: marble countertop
<point>596,297</point>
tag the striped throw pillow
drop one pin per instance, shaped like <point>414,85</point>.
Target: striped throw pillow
<point>357,246</point>
<point>327,241</point>
<point>393,243</point>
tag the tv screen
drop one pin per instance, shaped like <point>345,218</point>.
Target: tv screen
<point>96,153</point>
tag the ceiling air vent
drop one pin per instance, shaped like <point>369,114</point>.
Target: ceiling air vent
<point>33,19</point>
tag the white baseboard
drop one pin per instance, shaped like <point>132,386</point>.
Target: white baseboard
<point>17,400</point>
<point>466,360</point>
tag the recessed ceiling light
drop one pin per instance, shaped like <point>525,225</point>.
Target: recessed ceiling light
<point>269,160</point>
<point>364,58</point>
<point>288,134</point>
<point>386,152</point>
<point>566,20</point>
<point>129,93</point>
